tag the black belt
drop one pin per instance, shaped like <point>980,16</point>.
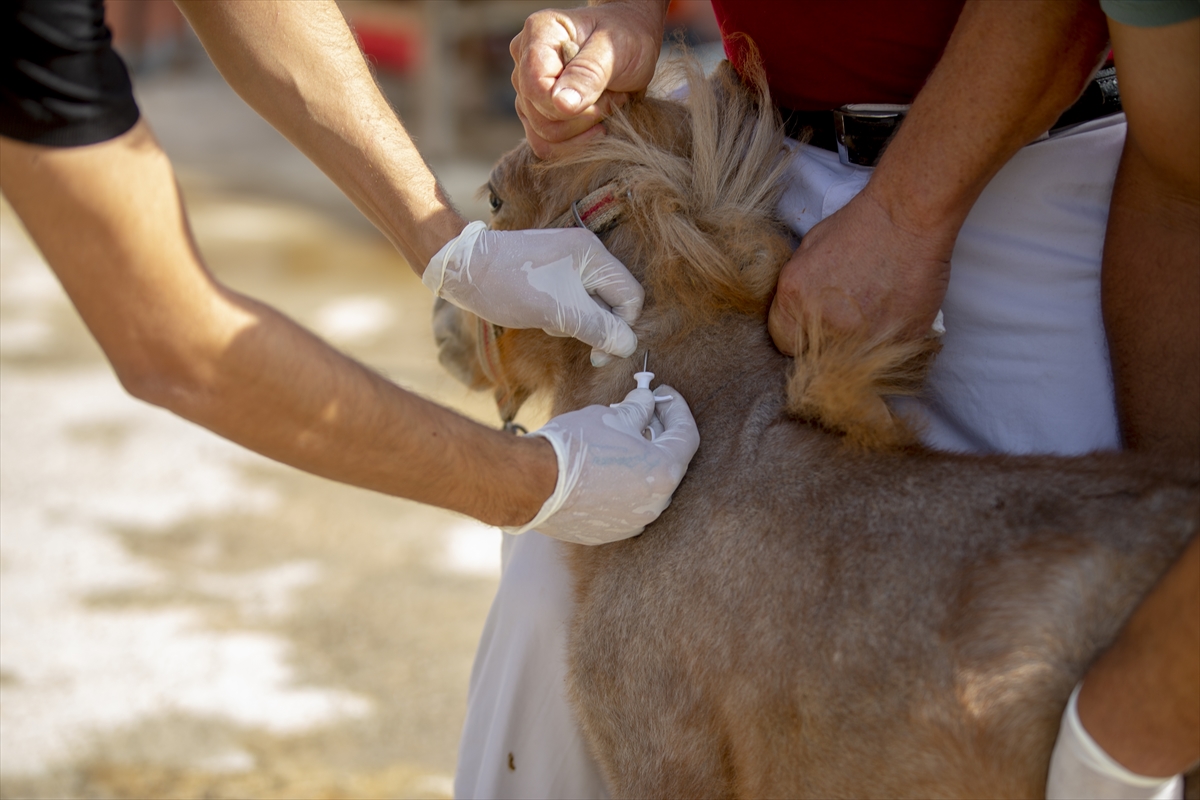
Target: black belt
<point>858,133</point>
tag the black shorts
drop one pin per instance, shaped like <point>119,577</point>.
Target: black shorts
<point>61,82</point>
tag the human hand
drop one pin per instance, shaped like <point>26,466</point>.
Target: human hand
<point>572,68</point>
<point>562,280</point>
<point>862,271</point>
<point>612,481</point>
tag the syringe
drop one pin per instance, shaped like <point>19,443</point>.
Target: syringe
<point>644,377</point>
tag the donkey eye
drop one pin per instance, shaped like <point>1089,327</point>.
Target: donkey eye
<point>494,201</point>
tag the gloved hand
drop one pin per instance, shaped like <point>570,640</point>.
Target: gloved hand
<point>1081,770</point>
<point>613,482</point>
<point>541,279</point>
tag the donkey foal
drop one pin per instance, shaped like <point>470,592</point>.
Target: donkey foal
<point>826,609</point>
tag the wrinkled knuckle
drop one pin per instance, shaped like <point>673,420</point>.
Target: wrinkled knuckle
<point>534,21</point>
<point>546,129</point>
<point>589,70</point>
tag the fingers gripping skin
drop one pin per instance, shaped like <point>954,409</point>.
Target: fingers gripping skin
<point>572,68</point>
<point>612,481</point>
<point>562,281</point>
<point>861,272</point>
<point>881,262</point>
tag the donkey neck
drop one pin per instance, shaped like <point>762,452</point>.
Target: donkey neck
<point>732,357</point>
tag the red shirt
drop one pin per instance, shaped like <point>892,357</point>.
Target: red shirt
<point>822,54</point>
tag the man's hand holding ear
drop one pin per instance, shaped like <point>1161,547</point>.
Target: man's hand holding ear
<point>573,67</point>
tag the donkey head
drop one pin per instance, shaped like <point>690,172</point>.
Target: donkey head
<point>686,194</point>
<point>693,223</point>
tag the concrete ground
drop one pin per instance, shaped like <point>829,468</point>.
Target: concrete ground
<point>182,618</point>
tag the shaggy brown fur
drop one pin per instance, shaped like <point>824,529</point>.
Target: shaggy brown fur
<point>702,189</point>
<point>811,618</point>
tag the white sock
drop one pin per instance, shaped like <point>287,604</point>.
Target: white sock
<point>1081,770</point>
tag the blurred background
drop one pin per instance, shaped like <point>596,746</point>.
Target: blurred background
<point>180,617</point>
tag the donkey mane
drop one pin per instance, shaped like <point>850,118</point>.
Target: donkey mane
<point>701,193</point>
<point>701,196</point>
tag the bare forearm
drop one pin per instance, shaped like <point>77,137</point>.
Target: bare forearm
<point>1151,299</point>
<point>1008,71</point>
<point>1151,274</point>
<point>180,340</point>
<point>881,264</point>
<point>297,64</point>
<point>280,391</point>
<point>1141,699</point>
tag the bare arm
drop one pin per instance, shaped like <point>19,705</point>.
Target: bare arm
<point>110,222</point>
<point>883,261</point>
<point>297,65</point>
<point>1151,277</point>
<point>1141,700</point>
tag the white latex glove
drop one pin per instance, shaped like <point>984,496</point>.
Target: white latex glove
<point>1081,770</point>
<point>561,280</point>
<point>613,482</point>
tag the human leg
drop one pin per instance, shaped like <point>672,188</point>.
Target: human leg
<point>520,738</point>
<point>1141,699</point>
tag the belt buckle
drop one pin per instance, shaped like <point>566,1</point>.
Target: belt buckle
<point>864,129</point>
